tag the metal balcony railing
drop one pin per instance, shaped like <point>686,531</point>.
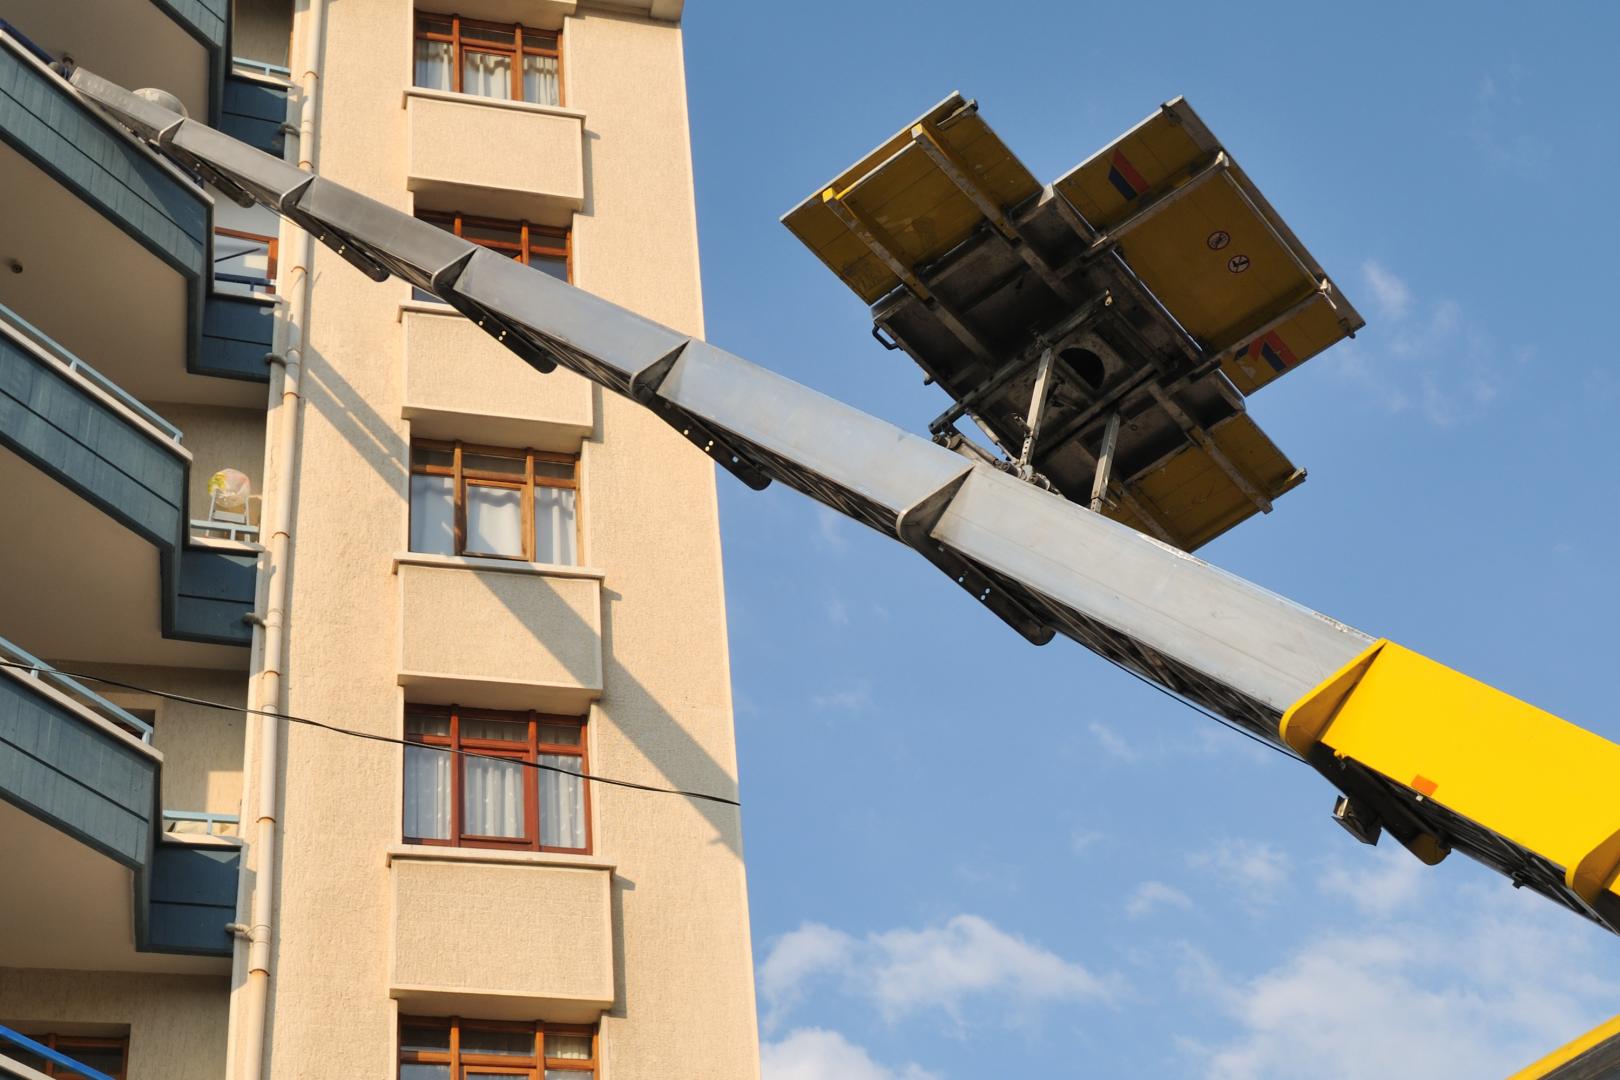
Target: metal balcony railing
<point>17,1041</point>
<point>84,371</point>
<point>176,821</point>
<point>244,251</point>
<point>261,66</point>
<point>34,668</point>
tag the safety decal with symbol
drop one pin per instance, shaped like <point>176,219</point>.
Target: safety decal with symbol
<point>1218,239</point>
<point>1237,263</point>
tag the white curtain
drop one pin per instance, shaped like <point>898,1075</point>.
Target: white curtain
<point>427,793</point>
<point>540,80</point>
<point>554,528</point>
<point>486,74</point>
<point>433,514</point>
<point>494,520</point>
<point>493,798</point>
<point>562,803</point>
<point>569,1048</point>
<point>433,64</point>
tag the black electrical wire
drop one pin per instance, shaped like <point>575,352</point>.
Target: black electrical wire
<point>1197,708</point>
<point>373,737</point>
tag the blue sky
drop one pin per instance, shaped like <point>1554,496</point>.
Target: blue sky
<point>969,857</point>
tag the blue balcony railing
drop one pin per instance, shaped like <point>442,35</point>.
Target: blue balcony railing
<point>22,661</point>
<point>87,373</point>
<point>16,1040</point>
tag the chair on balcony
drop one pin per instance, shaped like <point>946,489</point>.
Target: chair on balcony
<point>229,494</point>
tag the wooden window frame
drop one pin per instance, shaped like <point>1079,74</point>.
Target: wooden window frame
<point>66,1044</point>
<point>534,1067</point>
<point>462,476</point>
<point>530,240</point>
<point>270,242</point>
<point>526,41</point>
<point>528,751</point>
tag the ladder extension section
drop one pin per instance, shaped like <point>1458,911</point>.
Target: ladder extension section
<point>1041,563</point>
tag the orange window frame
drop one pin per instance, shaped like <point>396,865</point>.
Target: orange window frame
<point>462,476</point>
<point>526,41</point>
<point>270,243</point>
<point>465,1065</point>
<point>528,239</point>
<point>528,751</point>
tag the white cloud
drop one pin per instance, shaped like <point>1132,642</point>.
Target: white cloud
<point>940,968</point>
<point>1457,989</point>
<point>818,1054</point>
<point>1150,896</point>
<point>1256,869</point>
<point>837,612</point>
<point>796,958</point>
<point>1389,291</point>
<point>1083,840</point>
<point>832,527</point>
<point>1380,882</point>
<point>845,699</point>
<point>1113,743</point>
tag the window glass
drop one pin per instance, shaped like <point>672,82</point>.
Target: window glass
<point>433,60</point>
<point>427,793</point>
<point>562,803</point>
<point>478,727</point>
<point>559,734</point>
<point>492,463</point>
<point>433,514</point>
<point>569,1047</point>
<point>416,1038</point>
<point>427,724</point>
<point>427,455</point>
<point>554,526</point>
<point>492,803</point>
<point>556,470</point>
<point>424,1072</point>
<point>486,74</point>
<point>505,1043</point>
<point>540,84</point>
<point>494,521</point>
<point>495,35</point>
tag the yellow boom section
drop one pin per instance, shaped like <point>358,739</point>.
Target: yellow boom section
<point>1456,755</point>
<point>1589,1057</point>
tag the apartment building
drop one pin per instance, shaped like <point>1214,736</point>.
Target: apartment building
<point>505,578</point>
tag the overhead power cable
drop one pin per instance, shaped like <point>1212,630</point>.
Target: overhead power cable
<point>368,735</point>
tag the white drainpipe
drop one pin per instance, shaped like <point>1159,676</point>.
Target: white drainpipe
<point>283,450</point>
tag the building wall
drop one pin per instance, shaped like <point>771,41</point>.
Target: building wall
<point>176,1023</point>
<point>219,438</point>
<point>682,972</point>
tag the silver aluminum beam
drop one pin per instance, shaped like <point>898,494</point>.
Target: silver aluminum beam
<point>1039,561</point>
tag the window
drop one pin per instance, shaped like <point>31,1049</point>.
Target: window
<point>104,1053</point>
<point>544,247</point>
<point>494,503</point>
<point>490,795</point>
<point>494,60</point>
<point>438,1049</point>
<point>244,262</point>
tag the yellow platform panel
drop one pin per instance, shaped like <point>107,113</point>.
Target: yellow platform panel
<point>1524,774</point>
<point>1194,499</point>
<point>1196,231</point>
<point>908,203</point>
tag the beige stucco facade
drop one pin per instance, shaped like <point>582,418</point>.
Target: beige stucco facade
<point>645,935</point>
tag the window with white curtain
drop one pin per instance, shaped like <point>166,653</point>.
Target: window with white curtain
<point>438,1048</point>
<point>494,503</point>
<point>508,61</point>
<point>480,778</point>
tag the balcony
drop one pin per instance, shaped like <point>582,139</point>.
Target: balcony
<point>177,45</point>
<point>98,486</point>
<point>488,392</point>
<point>92,214</point>
<point>499,635</point>
<point>91,882</point>
<point>458,950</point>
<point>538,176</point>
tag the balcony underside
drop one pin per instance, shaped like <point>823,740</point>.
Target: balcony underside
<point>179,47</point>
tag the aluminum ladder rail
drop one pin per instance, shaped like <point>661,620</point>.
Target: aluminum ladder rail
<point>1041,563</point>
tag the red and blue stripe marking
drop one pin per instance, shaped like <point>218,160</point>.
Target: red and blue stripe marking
<point>1272,349</point>
<point>1123,175</point>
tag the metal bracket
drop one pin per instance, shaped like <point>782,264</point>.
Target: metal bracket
<point>915,526</point>
<point>644,386</point>
<point>1105,463</point>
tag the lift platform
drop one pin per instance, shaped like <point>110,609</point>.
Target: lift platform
<point>1102,331</point>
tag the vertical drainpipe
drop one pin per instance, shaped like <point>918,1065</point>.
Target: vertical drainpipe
<point>270,693</point>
